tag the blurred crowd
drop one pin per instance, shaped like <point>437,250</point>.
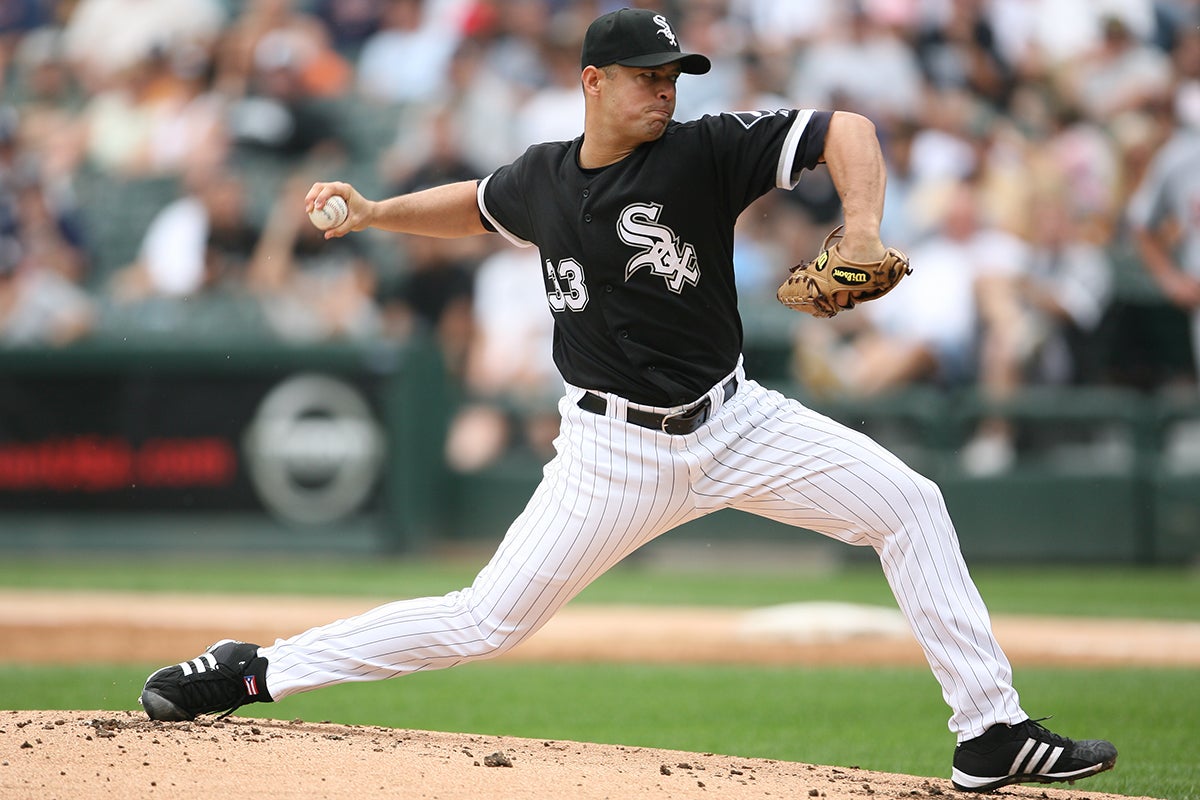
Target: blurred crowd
<point>1043,157</point>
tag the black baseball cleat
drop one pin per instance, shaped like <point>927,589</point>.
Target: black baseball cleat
<point>227,676</point>
<point>1026,753</point>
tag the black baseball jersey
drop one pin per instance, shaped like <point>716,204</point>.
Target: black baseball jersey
<point>637,256</point>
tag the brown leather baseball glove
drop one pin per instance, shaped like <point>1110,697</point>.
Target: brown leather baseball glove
<point>830,283</point>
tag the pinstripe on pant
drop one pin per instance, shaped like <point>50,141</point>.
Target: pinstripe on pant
<point>613,487</point>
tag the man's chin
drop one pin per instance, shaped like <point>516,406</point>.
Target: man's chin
<point>656,128</point>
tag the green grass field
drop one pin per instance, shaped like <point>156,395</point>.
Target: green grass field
<point>888,719</point>
<point>1096,591</point>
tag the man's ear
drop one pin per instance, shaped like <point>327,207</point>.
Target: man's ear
<point>590,79</point>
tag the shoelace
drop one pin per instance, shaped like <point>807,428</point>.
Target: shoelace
<point>1045,734</point>
<point>235,708</point>
<point>212,690</point>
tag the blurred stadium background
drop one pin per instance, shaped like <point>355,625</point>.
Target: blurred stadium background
<point>186,367</point>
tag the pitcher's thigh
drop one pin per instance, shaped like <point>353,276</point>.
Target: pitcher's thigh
<point>821,475</point>
<point>592,509</point>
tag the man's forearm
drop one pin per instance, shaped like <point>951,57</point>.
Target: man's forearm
<point>857,169</point>
<point>447,211</point>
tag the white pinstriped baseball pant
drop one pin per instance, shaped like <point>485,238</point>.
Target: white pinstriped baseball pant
<point>612,487</point>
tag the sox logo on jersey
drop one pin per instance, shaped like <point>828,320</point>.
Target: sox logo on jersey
<point>664,254</point>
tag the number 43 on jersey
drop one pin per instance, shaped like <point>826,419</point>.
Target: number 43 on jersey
<point>661,251</point>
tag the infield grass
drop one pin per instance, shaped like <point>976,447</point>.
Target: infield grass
<point>1108,591</point>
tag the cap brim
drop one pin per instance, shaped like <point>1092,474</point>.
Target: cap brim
<point>691,63</point>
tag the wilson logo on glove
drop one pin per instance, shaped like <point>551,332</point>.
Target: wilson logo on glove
<point>850,276</point>
<point>823,293</point>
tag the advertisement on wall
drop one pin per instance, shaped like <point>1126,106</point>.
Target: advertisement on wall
<point>307,448</point>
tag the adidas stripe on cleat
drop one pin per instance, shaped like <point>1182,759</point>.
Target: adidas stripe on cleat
<point>222,679</point>
<point>1027,753</point>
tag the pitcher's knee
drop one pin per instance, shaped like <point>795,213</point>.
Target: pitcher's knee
<point>494,636</point>
<point>927,493</point>
<point>921,510</point>
<point>497,643</point>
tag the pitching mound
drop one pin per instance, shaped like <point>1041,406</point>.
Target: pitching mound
<point>105,754</point>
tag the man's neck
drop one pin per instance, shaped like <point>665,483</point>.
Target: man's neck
<point>595,151</point>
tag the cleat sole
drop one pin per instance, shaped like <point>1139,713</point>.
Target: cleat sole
<point>1016,779</point>
<point>160,708</point>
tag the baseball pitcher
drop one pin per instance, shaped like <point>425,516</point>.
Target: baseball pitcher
<point>634,225</point>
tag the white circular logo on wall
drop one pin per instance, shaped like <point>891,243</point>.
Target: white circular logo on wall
<point>314,449</point>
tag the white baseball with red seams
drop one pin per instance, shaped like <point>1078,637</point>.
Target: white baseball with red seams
<point>330,215</point>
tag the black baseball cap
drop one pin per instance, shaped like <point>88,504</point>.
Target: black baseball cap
<point>637,37</point>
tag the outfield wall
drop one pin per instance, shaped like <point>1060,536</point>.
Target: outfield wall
<point>172,447</point>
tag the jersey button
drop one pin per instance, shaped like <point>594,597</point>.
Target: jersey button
<point>608,288</point>
<point>587,217</point>
<point>624,334</point>
<point>587,192</point>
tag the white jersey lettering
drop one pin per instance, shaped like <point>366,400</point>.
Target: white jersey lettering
<point>663,253</point>
<point>569,273</point>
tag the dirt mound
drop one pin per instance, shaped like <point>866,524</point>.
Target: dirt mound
<point>106,754</point>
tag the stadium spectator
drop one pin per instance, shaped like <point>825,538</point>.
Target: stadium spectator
<point>860,65</point>
<point>310,290</point>
<point>515,37</point>
<point>156,116</point>
<point>349,22</point>
<point>554,111</point>
<point>957,49</point>
<point>780,28</point>
<point>407,59</point>
<point>1121,74</point>
<point>49,100</point>
<point>281,119</point>
<point>1037,38</point>
<point>1067,290</point>
<point>202,239</point>
<point>1163,213</point>
<point>273,30</point>
<point>42,255</point>
<point>483,106</point>
<point>510,384</point>
<point>17,19</point>
<point>106,38</point>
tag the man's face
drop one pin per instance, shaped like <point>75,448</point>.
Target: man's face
<point>640,100</point>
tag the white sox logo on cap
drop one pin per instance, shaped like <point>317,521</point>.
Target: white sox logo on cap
<point>664,29</point>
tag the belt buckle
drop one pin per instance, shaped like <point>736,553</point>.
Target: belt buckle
<point>697,412</point>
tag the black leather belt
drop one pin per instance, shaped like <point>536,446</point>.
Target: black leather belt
<point>676,424</point>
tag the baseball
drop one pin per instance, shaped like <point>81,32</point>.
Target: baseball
<point>330,215</point>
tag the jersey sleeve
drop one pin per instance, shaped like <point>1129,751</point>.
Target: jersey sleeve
<point>502,204</point>
<point>804,146</point>
<point>761,150</point>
